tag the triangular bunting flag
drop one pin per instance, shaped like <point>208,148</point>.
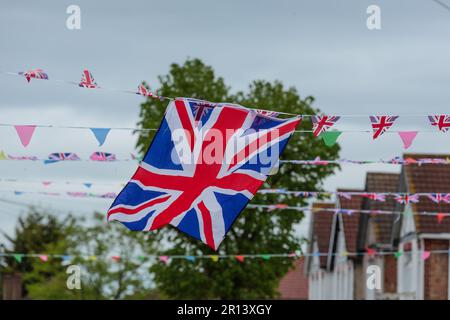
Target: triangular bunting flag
<point>87,184</point>
<point>18,257</point>
<point>25,133</point>
<point>214,258</point>
<point>116,258</point>
<point>100,134</point>
<point>190,258</point>
<point>398,254</point>
<point>380,124</point>
<point>265,257</point>
<point>440,217</point>
<point>407,138</point>
<point>330,137</point>
<point>46,183</point>
<point>164,259</point>
<point>43,257</point>
<point>240,258</point>
<point>426,255</point>
<point>3,156</point>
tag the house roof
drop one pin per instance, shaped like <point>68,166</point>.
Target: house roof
<point>433,178</point>
<point>350,222</point>
<point>382,223</point>
<point>322,222</point>
<point>294,285</point>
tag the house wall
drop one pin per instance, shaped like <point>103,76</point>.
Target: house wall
<point>436,269</point>
<point>389,274</point>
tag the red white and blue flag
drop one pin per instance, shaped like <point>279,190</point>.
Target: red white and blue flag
<point>103,156</point>
<point>375,196</point>
<point>143,91</point>
<point>407,198</point>
<point>322,123</point>
<point>62,156</point>
<point>380,124</point>
<point>439,197</point>
<point>442,122</point>
<point>200,172</point>
<point>87,80</point>
<point>36,74</point>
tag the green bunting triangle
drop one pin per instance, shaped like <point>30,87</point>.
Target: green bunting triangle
<point>330,137</point>
<point>266,257</point>
<point>398,254</point>
<point>18,258</point>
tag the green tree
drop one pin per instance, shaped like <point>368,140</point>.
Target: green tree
<point>254,231</point>
<point>123,277</point>
<point>37,233</point>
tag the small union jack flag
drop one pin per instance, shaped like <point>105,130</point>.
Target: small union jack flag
<point>346,195</point>
<point>103,156</point>
<point>439,197</point>
<point>375,196</point>
<point>200,110</point>
<point>77,194</point>
<point>87,80</point>
<point>36,74</point>
<point>62,156</point>
<point>268,113</point>
<point>440,121</point>
<point>380,124</point>
<point>323,123</point>
<point>407,198</point>
<point>143,91</point>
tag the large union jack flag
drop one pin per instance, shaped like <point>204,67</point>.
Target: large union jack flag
<point>202,198</point>
<point>380,124</point>
<point>442,122</point>
<point>323,123</point>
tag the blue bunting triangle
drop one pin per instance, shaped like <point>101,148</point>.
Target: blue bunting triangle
<point>100,134</point>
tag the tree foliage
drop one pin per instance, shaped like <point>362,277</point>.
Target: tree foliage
<point>253,231</point>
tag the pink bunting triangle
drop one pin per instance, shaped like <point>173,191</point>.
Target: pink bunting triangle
<point>25,133</point>
<point>426,255</point>
<point>407,138</point>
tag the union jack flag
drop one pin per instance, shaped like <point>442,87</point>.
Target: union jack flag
<point>439,197</point>
<point>323,123</point>
<point>36,74</point>
<point>268,113</point>
<point>440,121</point>
<point>201,198</point>
<point>380,124</point>
<point>62,156</point>
<point>103,156</point>
<point>87,80</point>
<point>375,196</point>
<point>143,91</point>
<point>407,198</point>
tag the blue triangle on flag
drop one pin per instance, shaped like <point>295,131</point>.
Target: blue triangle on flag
<point>100,134</point>
<point>87,185</point>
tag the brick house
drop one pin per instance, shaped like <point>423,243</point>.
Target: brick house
<point>345,268</point>
<point>419,277</point>
<point>294,284</point>
<point>316,269</point>
<point>376,232</point>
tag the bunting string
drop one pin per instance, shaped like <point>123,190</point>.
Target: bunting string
<point>110,157</point>
<point>165,259</point>
<point>320,123</point>
<point>266,207</point>
<point>400,197</point>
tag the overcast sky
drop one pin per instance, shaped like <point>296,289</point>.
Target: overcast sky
<point>323,48</point>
